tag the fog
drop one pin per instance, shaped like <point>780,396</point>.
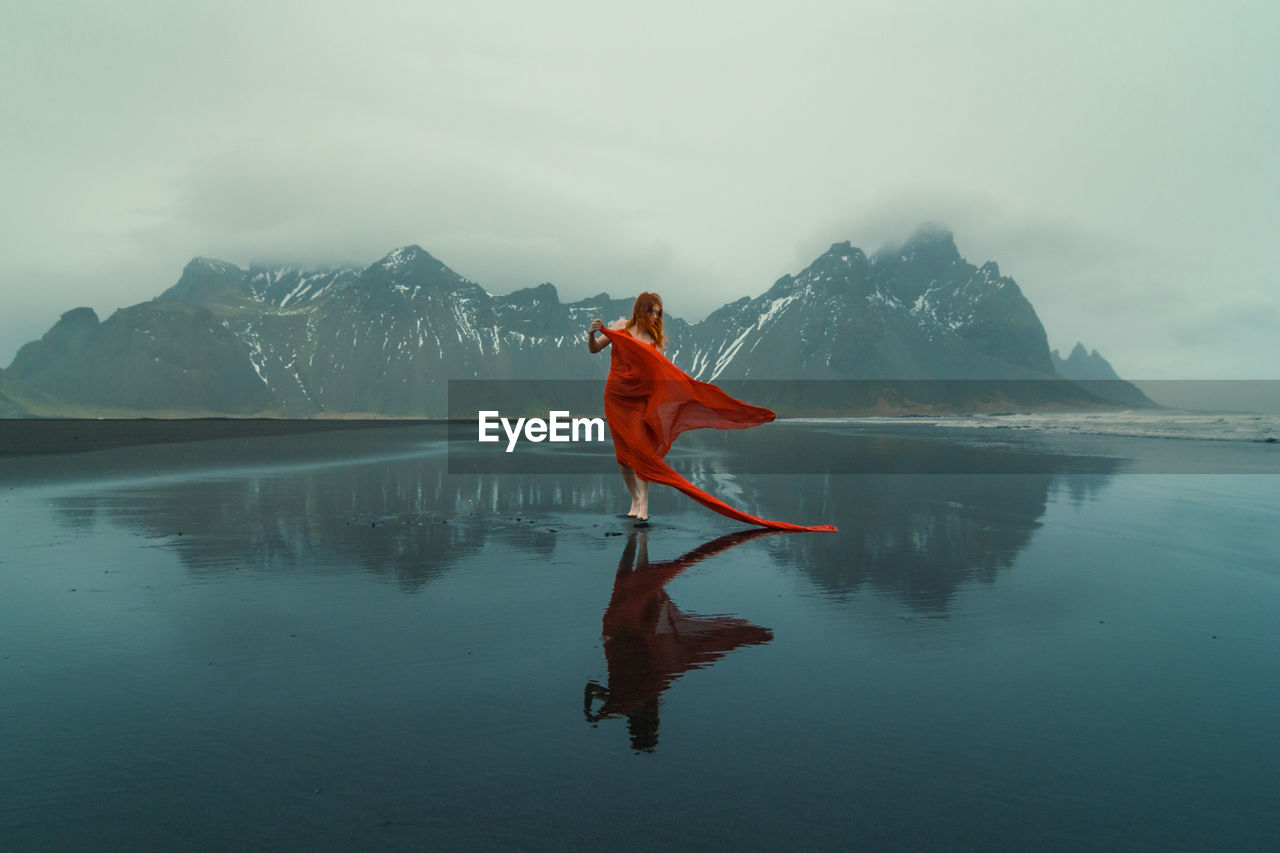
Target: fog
<point>1117,161</point>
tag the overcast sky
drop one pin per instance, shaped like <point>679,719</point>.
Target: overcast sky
<point>1118,159</point>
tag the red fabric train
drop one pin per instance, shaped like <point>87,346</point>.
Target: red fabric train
<point>648,402</point>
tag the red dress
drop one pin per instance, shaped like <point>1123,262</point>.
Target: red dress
<point>648,401</point>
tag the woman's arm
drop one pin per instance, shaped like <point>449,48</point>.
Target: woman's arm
<point>596,325</point>
<point>594,344</point>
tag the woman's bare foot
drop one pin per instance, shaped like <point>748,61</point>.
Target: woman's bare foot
<point>642,500</point>
<point>629,477</point>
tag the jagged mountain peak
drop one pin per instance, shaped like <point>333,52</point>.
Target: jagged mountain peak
<point>840,256</point>
<point>412,269</point>
<point>1095,373</point>
<point>199,263</point>
<point>1083,364</point>
<point>542,293</point>
<point>79,317</point>
<point>207,281</point>
<point>840,267</point>
<point>931,244</point>
<point>844,251</point>
<point>405,256</point>
<point>412,261</point>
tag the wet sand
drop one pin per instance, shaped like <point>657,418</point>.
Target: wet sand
<point>330,641</point>
<point>39,436</point>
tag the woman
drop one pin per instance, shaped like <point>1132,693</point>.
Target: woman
<point>646,327</point>
<point>648,402</point>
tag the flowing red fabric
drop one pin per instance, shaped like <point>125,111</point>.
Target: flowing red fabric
<point>648,402</point>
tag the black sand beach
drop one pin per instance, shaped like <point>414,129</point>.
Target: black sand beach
<point>273,636</point>
<point>37,436</point>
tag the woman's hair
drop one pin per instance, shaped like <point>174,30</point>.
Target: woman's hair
<point>640,317</point>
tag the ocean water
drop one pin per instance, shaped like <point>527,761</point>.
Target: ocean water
<point>337,641</point>
<point>1155,423</point>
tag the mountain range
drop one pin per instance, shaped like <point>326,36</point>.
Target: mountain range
<point>385,340</point>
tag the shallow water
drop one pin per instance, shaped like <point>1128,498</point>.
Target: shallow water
<point>331,642</point>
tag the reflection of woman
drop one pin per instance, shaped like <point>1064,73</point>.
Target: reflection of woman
<point>649,642</point>
<point>648,402</point>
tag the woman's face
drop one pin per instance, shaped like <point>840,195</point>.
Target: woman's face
<point>655,313</point>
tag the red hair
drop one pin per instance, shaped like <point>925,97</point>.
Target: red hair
<point>640,317</point>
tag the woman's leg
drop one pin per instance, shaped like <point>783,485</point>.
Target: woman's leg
<point>642,499</point>
<point>629,477</point>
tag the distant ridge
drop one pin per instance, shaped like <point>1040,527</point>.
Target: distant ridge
<point>1082,364</point>
<point>385,340</point>
<point>1094,373</point>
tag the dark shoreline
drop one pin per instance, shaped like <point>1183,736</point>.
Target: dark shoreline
<point>46,436</point>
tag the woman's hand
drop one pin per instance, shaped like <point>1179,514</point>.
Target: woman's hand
<point>592,343</point>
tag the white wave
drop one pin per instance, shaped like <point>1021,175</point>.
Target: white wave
<point>1202,426</point>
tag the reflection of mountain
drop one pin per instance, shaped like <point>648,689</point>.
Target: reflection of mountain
<point>1081,488</point>
<point>917,518</point>
<point>918,537</point>
<point>405,521</point>
<point>649,642</point>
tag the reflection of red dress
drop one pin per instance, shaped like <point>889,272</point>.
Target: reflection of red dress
<point>649,643</point>
<point>648,401</point>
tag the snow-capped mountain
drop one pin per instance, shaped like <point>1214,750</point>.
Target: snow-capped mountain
<point>385,340</point>
<point>918,312</point>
